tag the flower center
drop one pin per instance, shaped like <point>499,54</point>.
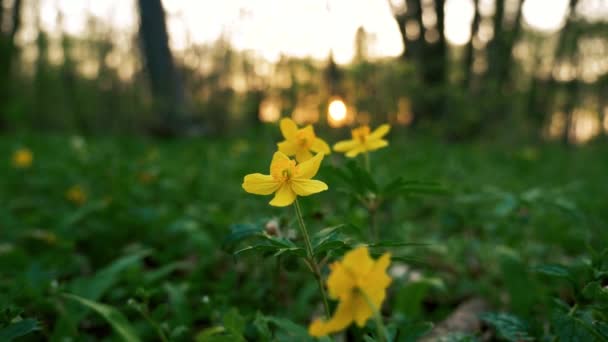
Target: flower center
<point>305,138</point>
<point>361,134</point>
<point>284,170</point>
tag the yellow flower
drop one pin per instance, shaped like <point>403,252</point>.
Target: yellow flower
<point>76,195</point>
<point>299,142</point>
<point>363,141</point>
<point>23,158</point>
<point>287,179</point>
<point>359,283</point>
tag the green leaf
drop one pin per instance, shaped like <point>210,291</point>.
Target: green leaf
<point>93,288</point>
<point>596,292</point>
<point>508,327</point>
<point>553,271</point>
<point>328,239</point>
<point>234,322</point>
<point>116,319</point>
<point>412,332</point>
<point>411,295</point>
<point>274,245</point>
<point>569,327</point>
<point>18,329</point>
<point>288,330</point>
<point>240,232</point>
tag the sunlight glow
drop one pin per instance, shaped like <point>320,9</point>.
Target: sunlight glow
<point>270,110</point>
<point>337,110</point>
<point>458,18</point>
<point>541,15</point>
<point>272,28</point>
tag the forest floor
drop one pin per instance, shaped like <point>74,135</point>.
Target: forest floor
<point>144,234</point>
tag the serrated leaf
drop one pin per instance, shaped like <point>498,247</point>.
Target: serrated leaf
<point>115,318</point>
<point>508,327</point>
<point>18,329</point>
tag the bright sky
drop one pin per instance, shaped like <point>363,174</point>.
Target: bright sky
<point>298,27</point>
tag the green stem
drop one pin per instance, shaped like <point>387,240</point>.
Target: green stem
<point>310,257</point>
<point>380,328</point>
<point>368,167</point>
<point>159,330</point>
<point>372,223</point>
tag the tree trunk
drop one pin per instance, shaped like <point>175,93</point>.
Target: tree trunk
<point>7,54</point>
<point>470,50</point>
<point>412,47</point>
<point>496,57</point>
<point>507,42</point>
<point>165,82</point>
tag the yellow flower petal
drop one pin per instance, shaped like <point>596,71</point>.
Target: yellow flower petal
<point>284,196</point>
<point>376,144</point>
<point>362,311</point>
<point>287,147</point>
<point>288,128</point>
<point>260,184</point>
<point>279,163</point>
<point>320,146</point>
<point>341,319</point>
<point>379,132</point>
<point>358,261</point>
<point>305,187</point>
<point>303,154</point>
<point>340,282</point>
<point>346,145</point>
<point>355,151</point>
<point>309,168</point>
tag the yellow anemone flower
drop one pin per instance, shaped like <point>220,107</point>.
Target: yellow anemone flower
<point>23,158</point>
<point>359,283</point>
<point>363,140</point>
<point>76,195</point>
<point>299,142</point>
<point>287,179</point>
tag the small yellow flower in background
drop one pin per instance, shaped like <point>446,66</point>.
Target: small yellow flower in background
<point>358,282</point>
<point>287,179</point>
<point>300,142</point>
<point>76,195</point>
<point>23,158</point>
<point>363,140</point>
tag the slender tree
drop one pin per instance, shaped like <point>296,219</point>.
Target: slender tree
<point>8,50</point>
<point>470,49</point>
<point>164,79</point>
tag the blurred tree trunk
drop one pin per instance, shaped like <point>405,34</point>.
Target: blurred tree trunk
<point>7,53</point>
<point>412,45</point>
<point>511,38</point>
<point>469,57</point>
<point>434,64</point>
<point>496,50</point>
<point>165,82</point>
<point>567,49</point>
<point>435,59</point>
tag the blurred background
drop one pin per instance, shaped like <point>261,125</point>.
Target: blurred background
<point>455,69</point>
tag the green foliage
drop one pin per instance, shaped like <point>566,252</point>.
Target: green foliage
<point>115,318</point>
<point>18,329</point>
<point>520,233</point>
<point>509,327</point>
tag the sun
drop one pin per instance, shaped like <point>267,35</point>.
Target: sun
<point>337,110</point>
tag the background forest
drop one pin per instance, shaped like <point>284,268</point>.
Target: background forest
<point>129,132</point>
